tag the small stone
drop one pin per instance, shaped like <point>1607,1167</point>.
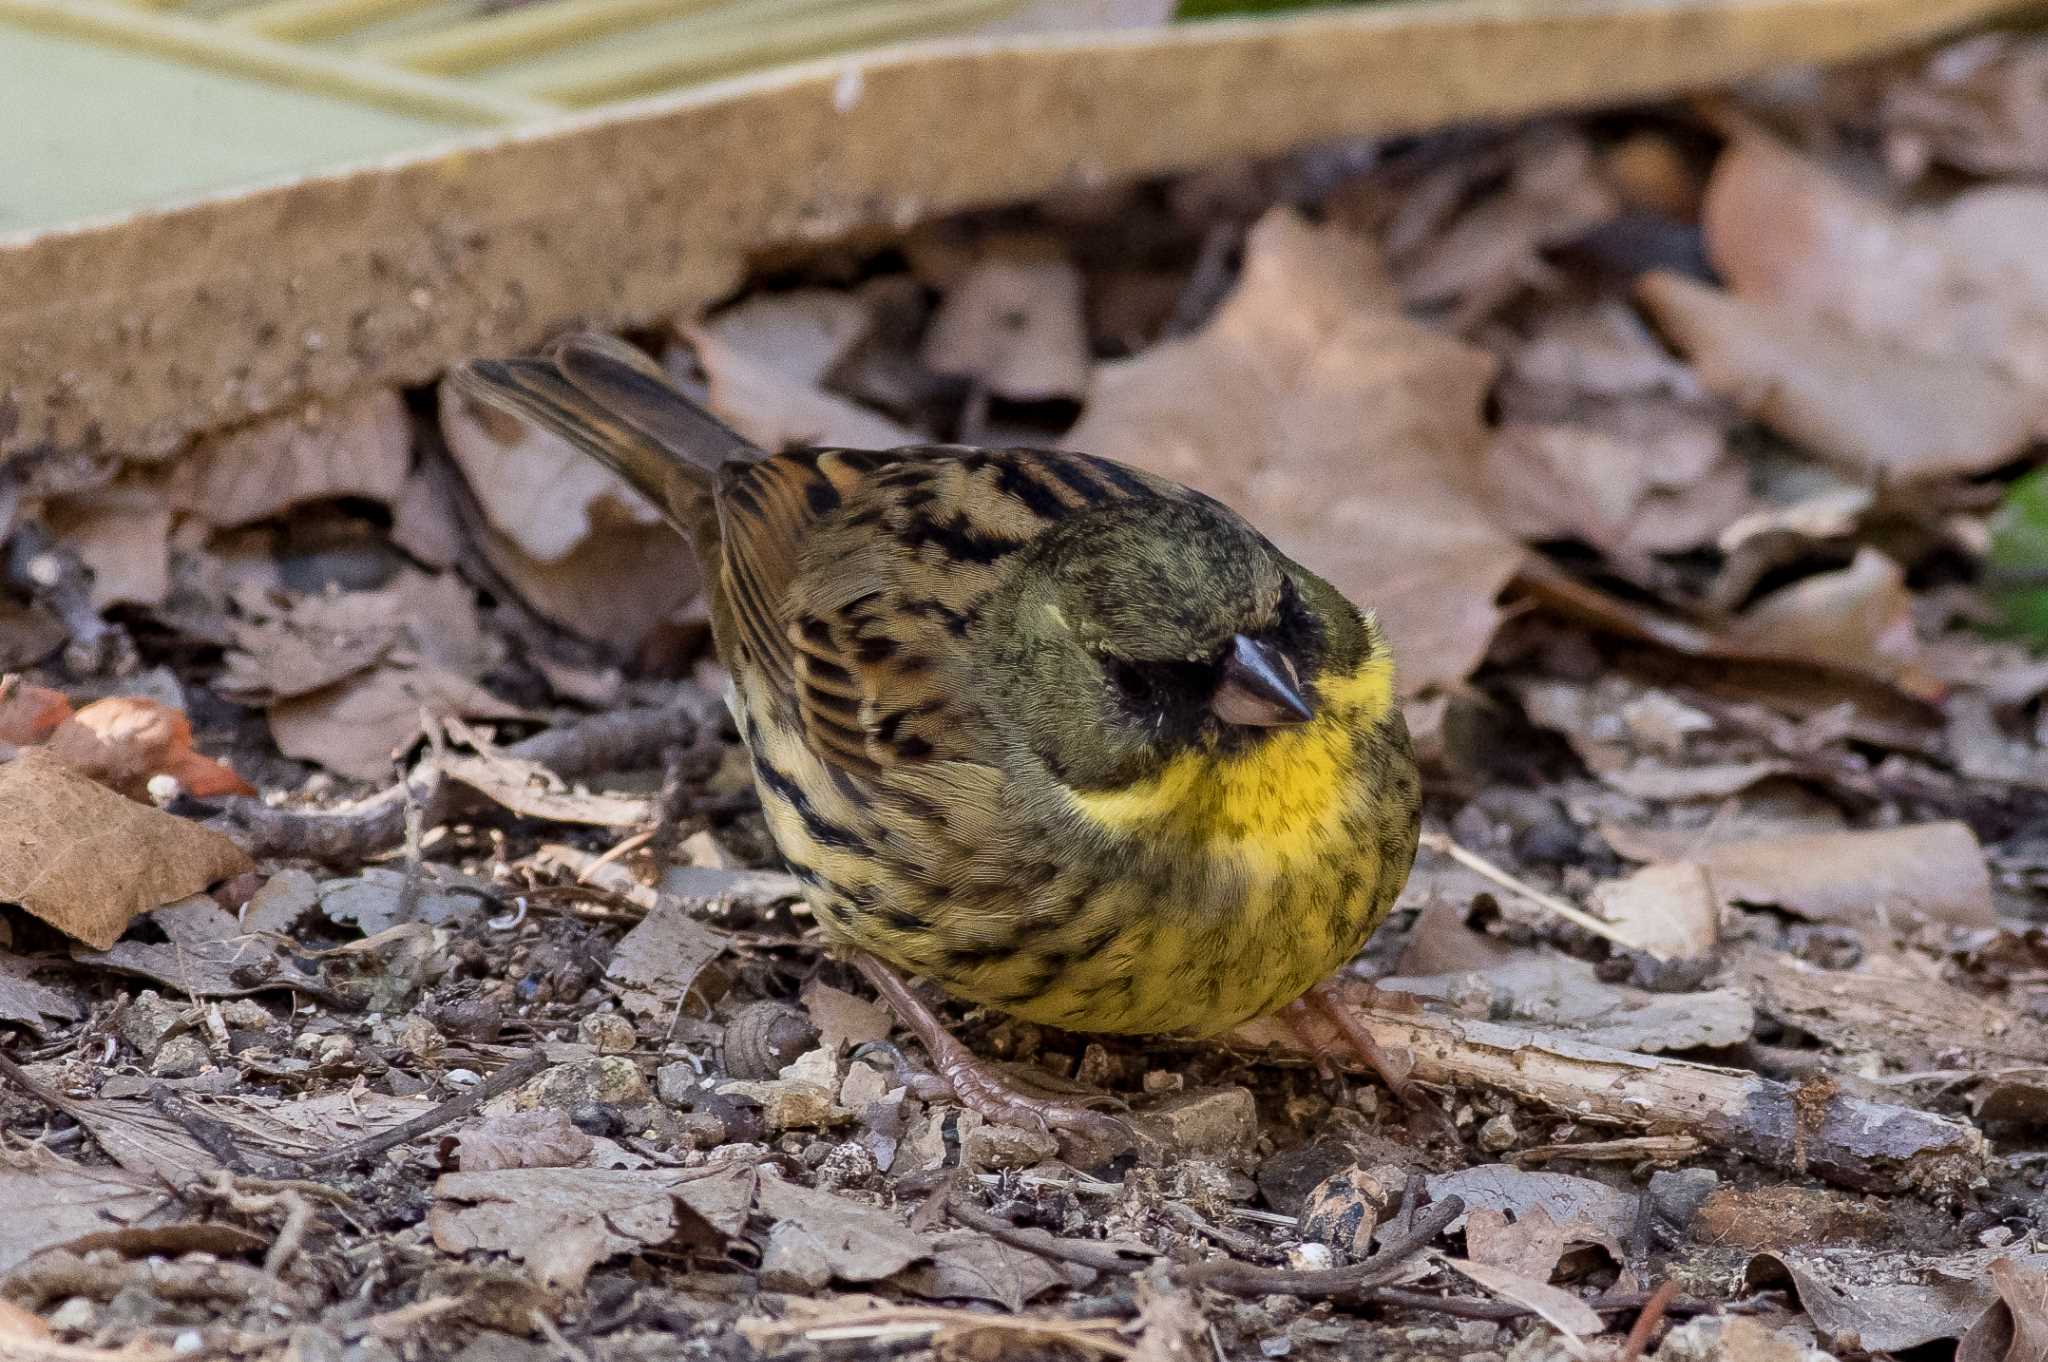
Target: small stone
<point>1346,1207</point>
<point>76,1315</point>
<point>793,1260</point>
<point>1287,1178</point>
<point>1275,1345</point>
<point>462,1078</point>
<point>1311,1258</point>
<point>609,1079</point>
<point>677,1084</point>
<point>864,1086</point>
<point>189,1343</point>
<point>851,1164</point>
<point>790,1103</point>
<point>607,1033</point>
<point>1676,1196</point>
<point>994,1148</point>
<point>1220,1123</point>
<point>418,1037</point>
<point>333,1051</point>
<point>1164,1080</point>
<point>246,1014</point>
<point>474,1019</point>
<point>596,1118</point>
<point>1498,1134</point>
<point>700,1130</point>
<point>147,1021</point>
<point>180,1057</point>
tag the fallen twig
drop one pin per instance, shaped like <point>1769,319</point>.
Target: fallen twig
<point>507,1078</point>
<point>603,742</point>
<point>1479,865</point>
<point>1647,1322</point>
<point>1873,1146</point>
<point>1245,1279</point>
<point>1041,1242</point>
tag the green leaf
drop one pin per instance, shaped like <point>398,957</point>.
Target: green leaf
<point>2016,578</point>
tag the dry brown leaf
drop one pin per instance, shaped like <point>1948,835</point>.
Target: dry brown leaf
<point>358,448</point>
<point>1979,105</point>
<point>1959,281</point>
<point>521,1139</point>
<point>533,791</point>
<point>1016,325</point>
<point>1893,1006</point>
<point>28,634</point>
<point>1654,479</point>
<point>805,333</point>
<point>123,534</point>
<point>579,591</point>
<point>53,1201</point>
<point>1859,618</point>
<point>1593,1212</point>
<point>1312,405</point>
<point>561,1222</point>
<point>1879,409</point>
<point>124,742</point>
<point>2015,1329</point>
<point>287,645</point>
<point>974,1267</point>
<point>1935,870</point>
<point>774,400</point>
<point>29,713</point>
<point>25,1002</point>
<point>1890,1302</point>
<point>1552,195</point>
<point>854,1242</point>
<point>1667,910</point>
<point>86,861</point>
<point>1566,999</point>
<point>357,726</point>
<point>658,961</point>
<point>206,953</point>
<point>535,489</point>
<point>1558,1308</point>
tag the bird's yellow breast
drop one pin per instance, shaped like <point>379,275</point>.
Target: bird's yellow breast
<point>1274,806</point>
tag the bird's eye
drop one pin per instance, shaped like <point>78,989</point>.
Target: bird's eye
<point>1133,682</point>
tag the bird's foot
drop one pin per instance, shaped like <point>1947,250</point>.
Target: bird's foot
<point>1326,1001</point>
<point>981,1087</point>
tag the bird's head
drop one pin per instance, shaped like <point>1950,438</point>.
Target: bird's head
<point>1148,629</point>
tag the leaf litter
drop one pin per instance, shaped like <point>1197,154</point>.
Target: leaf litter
<point>1683,453</point>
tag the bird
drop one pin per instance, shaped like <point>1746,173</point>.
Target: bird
<point>1063,737</point>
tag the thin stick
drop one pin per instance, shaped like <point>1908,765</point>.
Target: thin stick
<point>1039,1242</point>
<point>1243,1279</point>
<point>1647,1322</point>
<point>1478,864</point>
<point>455,1108</point>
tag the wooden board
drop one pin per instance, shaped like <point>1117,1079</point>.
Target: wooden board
<point>129,336</point>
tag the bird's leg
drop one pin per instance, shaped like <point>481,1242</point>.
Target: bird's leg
<point>975,1084</point>
<point>1325,999</point>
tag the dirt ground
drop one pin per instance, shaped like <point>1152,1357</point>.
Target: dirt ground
<point>403,969</point>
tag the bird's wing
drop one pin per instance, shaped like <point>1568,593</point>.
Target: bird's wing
<point>872,570</point>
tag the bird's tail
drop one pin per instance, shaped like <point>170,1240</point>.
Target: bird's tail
<point>616,405</point>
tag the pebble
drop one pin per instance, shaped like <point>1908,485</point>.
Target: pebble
<point>180,1057</point>
<point>991,1148</point>
<point>1220,1123</point>
<point>1498,1134</point>
<point>1346,1207</point>
<point>147,1020</point>
<point>608,1079</point>
<point>77,1314</point>
<point>607,1032</point>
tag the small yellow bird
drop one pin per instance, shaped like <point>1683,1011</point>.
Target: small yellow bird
<point>1066,738</point>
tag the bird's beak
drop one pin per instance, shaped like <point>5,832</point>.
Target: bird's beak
<point>1259,687</point>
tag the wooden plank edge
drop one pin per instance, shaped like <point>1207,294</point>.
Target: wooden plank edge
<point>131,335</point>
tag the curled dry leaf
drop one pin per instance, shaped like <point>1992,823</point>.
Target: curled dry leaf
<point>358,448</point>
<point>123,535</point>
<point>29,713</point>
<point>563,530</point>
<point>1890,1302</point>
<point>1312,405</point>
<point>1873,407</point>
<point>1558,1308</point>
<point>86,861</point>
<point>1933,870</point>
<point>54,1202</point>
<point>1667,910</point>
<point>535,489</point>
<point>1016,325</point>
<point>2016,1328</point>
<point>772,395</point>
<point>521,1139</point>
<point>1859,618</point>
<point>357,726</point>
<point>125,741</point>
<point>1980,105</point>
<point>1904,345</point>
